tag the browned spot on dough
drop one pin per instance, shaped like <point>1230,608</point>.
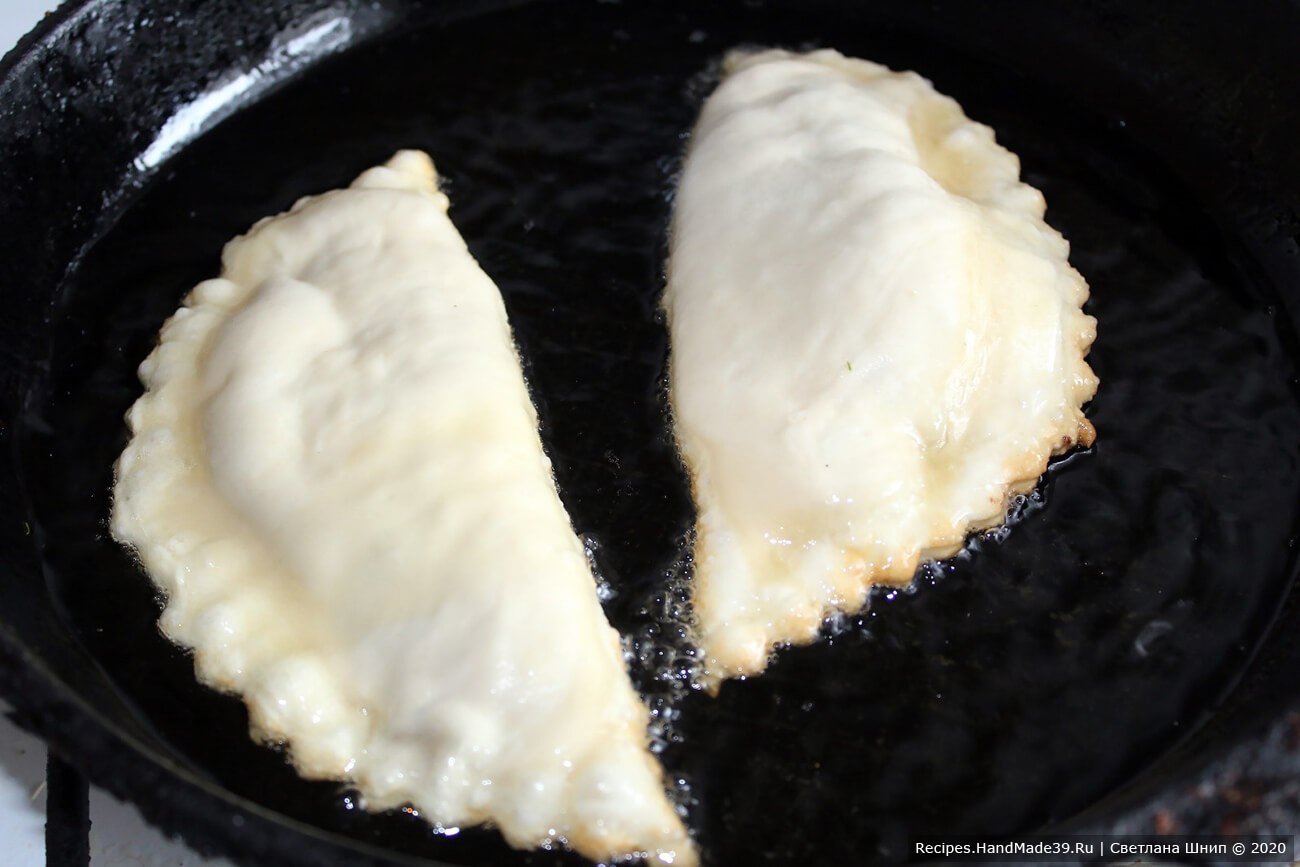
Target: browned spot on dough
<point>1087,433</point>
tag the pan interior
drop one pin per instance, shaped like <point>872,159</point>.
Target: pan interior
<point>1012,687</point>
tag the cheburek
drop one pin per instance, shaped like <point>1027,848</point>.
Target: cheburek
<point>336,478</point>
<point>876,340</point>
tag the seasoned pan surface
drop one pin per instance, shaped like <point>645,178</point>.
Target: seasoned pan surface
<point>1010,689</point>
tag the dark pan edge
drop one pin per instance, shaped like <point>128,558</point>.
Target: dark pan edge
<point>168,796</point>
<point>1212,779</point>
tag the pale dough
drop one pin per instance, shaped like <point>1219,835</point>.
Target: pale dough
<point>876,339</point>
<point>336,479</point>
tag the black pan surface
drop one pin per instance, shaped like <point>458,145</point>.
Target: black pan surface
<point>1056,675</point>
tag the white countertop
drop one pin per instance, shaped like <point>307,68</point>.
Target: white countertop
<point>19,16</point>
<point>118,836</point>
